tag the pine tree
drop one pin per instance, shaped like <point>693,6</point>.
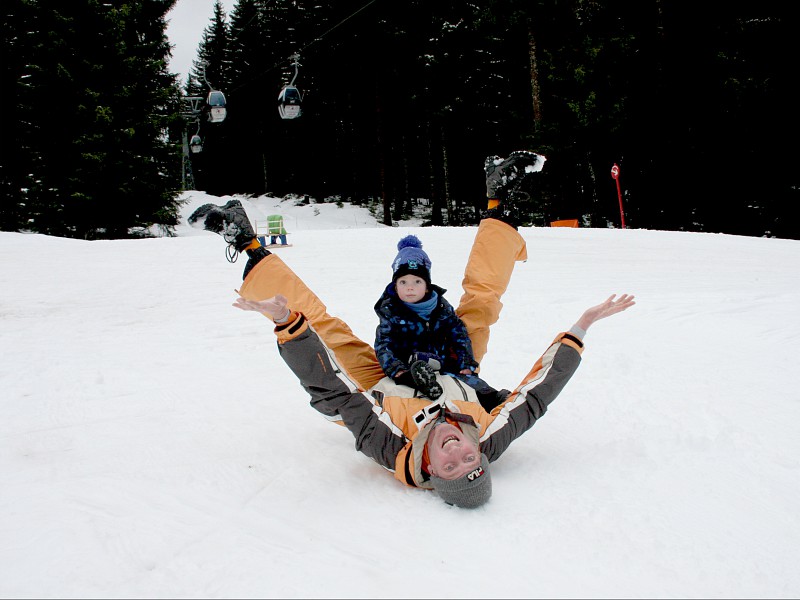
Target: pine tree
<point>94,101</point>
<point>16,48</point>
<point>211,71</point>
<point>252,62</point>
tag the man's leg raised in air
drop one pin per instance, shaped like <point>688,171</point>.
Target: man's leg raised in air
<point>497,246</point>
<point>266,275</point>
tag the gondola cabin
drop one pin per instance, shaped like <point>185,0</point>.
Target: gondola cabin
<point>216,106</point>
<point>196,144</point>
<point>289,102</point>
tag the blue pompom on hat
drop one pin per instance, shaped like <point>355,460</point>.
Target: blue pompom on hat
<point>411,259</point>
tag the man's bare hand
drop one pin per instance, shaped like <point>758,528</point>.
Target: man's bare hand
<point>274,307</point>
<point>605,309</point>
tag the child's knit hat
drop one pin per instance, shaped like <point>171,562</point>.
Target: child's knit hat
<point>411,260</point>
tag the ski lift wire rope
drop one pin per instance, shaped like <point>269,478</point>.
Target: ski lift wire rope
<point>317,39</point>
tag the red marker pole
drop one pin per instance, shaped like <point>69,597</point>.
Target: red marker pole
<point>615,176</point>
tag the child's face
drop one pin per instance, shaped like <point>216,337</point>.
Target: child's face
<point>411,289</point>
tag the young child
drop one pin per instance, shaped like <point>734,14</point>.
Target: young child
<point>419,332</point>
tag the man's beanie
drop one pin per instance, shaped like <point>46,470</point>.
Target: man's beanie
<point>411,260</point>
<point>470,491</point>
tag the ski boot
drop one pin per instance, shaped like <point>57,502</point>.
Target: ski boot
<point>506,183</point>
<point>231,222</point>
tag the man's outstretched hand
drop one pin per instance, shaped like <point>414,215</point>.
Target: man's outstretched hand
<point>605,309</point>
<point>274,307</point>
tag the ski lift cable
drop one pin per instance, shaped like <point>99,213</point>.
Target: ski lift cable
<point>342,22</point>
<point>317,39</point>
<point>255,15</point>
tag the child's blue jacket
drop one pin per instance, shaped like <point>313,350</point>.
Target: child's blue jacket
<point>401,333</point>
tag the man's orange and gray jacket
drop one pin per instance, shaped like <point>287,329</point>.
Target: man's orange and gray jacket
<point>392,430</point>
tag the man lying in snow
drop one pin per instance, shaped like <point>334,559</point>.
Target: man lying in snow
<point>445,445</point>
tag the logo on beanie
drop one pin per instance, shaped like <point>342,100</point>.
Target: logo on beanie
<point>475,474</point>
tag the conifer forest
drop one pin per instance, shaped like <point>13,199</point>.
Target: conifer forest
<point>402,100</point>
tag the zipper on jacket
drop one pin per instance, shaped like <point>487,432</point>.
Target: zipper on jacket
<point>461,387</point>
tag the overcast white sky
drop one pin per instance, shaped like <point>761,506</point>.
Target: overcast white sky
<point>186,22</point>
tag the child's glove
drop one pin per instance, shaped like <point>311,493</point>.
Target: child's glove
<point>405,378</point>
<point>425,379</point>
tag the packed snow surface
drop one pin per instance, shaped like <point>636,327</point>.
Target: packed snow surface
<point>153,444</point>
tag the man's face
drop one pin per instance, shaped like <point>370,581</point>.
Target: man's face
<point>451,453</point>
<point>410,288</point>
